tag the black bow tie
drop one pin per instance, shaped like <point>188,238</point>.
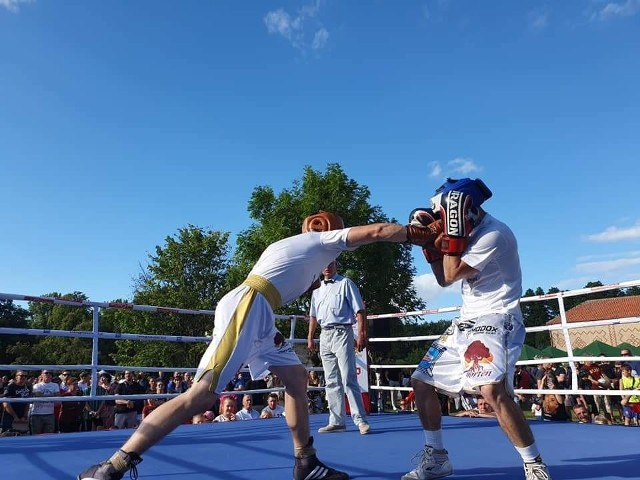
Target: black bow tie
<point>331,280</point>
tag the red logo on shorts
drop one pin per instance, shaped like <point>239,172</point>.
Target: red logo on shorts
<point>476,358</point>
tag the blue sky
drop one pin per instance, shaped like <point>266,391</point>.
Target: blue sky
<point>121,122</point>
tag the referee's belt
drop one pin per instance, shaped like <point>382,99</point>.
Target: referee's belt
<point>336,326</point>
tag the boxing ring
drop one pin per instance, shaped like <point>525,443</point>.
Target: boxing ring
<point>261,449</point>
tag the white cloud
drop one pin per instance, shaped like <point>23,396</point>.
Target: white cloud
<point>463,165</point>
<point>294,28</point>
<point>454,168</point>
<point>615,234</point>
<point>279,21</point>
<point>538,21</point>
<point>436,169</point>
<point>627,8</point>
<point>428,289</point>
<point>572,283</point>
<point>608,256</point>
<point>607,266</point>
<point>320,39</point>
<point>13,5</point>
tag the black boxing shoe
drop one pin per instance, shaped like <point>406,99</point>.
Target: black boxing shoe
<point>309,468</point>
<point>107,471</point>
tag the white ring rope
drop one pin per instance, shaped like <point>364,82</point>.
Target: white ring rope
<point>94,367</point>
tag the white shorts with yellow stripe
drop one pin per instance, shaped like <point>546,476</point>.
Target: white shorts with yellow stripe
<point>244,334</point>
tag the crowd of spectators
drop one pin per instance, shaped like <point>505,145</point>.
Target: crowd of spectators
<point>118,413</point>
<point>18,418</point>
<point>596,376</point>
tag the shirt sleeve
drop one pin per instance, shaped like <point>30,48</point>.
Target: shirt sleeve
<point>313,310</point>
<point>354,297</point>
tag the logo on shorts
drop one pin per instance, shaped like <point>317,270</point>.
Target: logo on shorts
<point>488,329</point>
<point>430,358</point>
<point>462,326</point>
<point>477,360</point>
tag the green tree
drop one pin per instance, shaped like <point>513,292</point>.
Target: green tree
<point>187,272</point>
<point>537,313</point>
<point>383,271</point>
<point>60,350</point>
<point>13,347</point>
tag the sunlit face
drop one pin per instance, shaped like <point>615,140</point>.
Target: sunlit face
<point>247,401</point>
<point>483,406</point>
<point>229,406</point>
<point>273,402</point>
<point>582,414</point>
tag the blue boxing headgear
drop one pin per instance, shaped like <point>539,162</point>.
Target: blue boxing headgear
<point>476,189</point>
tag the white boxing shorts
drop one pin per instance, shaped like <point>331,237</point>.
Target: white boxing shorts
<point>472,353</point>
<point>244,334</point>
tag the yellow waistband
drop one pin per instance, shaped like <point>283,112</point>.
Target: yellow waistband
<point>265,287</point>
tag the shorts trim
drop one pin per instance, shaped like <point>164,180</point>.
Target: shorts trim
<point>229,340</point>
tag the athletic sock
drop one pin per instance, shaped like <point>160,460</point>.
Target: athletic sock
<point>433,438</point>
<point>529,454</point>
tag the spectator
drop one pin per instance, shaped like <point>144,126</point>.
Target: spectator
<point>272,410</point>
<point>392,378</point>
<point>273,382</point>
<point>316,402</point>
<point>228,408</point>
<point>165,378</point>
<point>247,412</point>
<point>104,417</point>
<point>188,379</point>
<point>16,415</point>
<point>239,382</point>
<point>126,411</point>
<point>483,410</point>
<point>541,372</point>
<point>522,379</point>
<point>634,364</point>
<point>177,384</point>
<point>582,413</point>
<point>553,408</point>
<point>616,385</point>
<point>408,403</point>
<point>599,381</point>
<point>630,403</point>
<point>585,384</point>
<point>42,413</point>
<point>62,381</point>
<point>155,387</point>
<point>84,382</point>
<point>70,416</point>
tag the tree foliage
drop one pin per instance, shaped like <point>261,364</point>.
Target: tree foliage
<point>189,272</point>
<point>13,347</point>
<point>61,350</point>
